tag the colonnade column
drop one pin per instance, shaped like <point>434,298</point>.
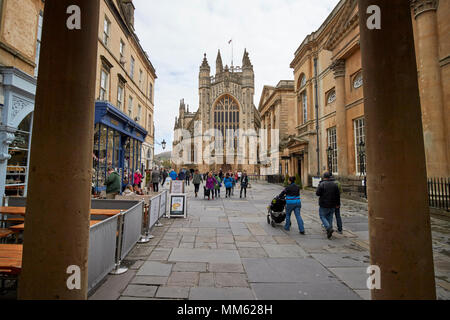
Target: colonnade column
<point>430,82</point>
<point>56,238</point>
<point>399,220</point>
<point>338,67</point>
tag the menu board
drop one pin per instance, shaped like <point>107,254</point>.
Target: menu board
<point>177,205</point>
<point>177,186</point>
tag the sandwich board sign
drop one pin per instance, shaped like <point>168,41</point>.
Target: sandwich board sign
<point>177,186</point>
<point>177,205</point>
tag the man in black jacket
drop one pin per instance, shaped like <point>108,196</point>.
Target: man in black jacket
<point>329,200</point>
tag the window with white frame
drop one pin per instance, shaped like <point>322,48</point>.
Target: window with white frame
<point>360,142</point>
<point>38,44</point>
<point>122,48</point>
<point>305,107</point>
<point>106,31</point>
<point>358,80</point>
<point>331,97</point>
<point>302,81</point>
<point>139,112</point>
<point>332,150</point>
<point>141,78</point>
<point>104,85</point>
<point>120,95</point>
<point>132,68</point>
<point>130,106</point>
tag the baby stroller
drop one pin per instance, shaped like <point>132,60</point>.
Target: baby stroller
<point>206,193</point>
<point>276,212</point>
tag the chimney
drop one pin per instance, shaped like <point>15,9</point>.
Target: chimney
<point>128,10</point>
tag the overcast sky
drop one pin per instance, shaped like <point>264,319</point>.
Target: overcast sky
<point>177,33</point>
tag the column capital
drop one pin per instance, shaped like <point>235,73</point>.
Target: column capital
<point>338,67</point>
<point>421,6</point>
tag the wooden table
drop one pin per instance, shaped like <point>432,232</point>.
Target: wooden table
<point>21,211</point>
<point>11,258</point>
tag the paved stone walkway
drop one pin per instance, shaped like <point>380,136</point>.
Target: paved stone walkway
<point>226,250</point>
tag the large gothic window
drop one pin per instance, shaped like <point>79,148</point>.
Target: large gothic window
<point>226,121</point>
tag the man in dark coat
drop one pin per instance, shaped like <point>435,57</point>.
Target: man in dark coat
<point>329,200</point>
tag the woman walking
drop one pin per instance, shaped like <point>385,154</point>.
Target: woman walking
<point>218,185</point>
<point>196,180</point>
<point>244,183</point>
<point>210,183</point>
<point>293,203</point>
<point>228,181</point>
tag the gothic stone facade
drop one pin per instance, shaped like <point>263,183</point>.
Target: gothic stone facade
<point>225,104</point>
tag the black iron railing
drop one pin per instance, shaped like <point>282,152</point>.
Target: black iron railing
<point>439,193</point>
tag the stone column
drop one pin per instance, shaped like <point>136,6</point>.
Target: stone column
<point>430,85</point>
<point>399,220</point>
<point>58,203</point>
<point>338,68</point>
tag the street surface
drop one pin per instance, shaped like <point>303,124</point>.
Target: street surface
<point>225,250</point>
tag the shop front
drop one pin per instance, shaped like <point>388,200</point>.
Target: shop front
<point>118,144</point>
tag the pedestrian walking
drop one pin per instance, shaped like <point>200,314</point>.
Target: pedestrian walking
<point>155,179</point>
<point>112,184</point>
<point>210,183</point>
<point>188,177</point>
<point>164,176</point>
<point>217,186</point>
<point>228,181</point>
<point>244,184</point>
<point>197,180</point>
<point>173,175</point>
<point>337,210</point>
<point>138,178</point>
<point>182,175</point>
<point>329,200</point>
<point>293,203</point>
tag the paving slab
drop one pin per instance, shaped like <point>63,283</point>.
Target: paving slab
<point>153,268</point>
<point>226,267</point>
<point>286,270</point>
<point>206,280</point>
<point>355,278</point>
<point>252,253</point>
<point>303,291</point>
<point>343,259</point>
<point>205,255</point>
<point>141,291</point>
<point>149,280</point>
<point>206,293</point>
<point>160,254</point>
<point>284,251</point>
<point>173,292</point>
<point>190,266</point>
<point>183,279</point>
<point>230,280</point>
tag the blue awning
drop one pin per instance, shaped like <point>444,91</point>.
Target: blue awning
<point>107,114</point>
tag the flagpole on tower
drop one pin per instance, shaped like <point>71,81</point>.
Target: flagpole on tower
<point>231,41</point>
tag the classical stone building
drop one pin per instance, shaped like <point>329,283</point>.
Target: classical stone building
<point>124,108</point>
<point>275,107</point>
<point>330,99</point>
<point>125,82</point>
<point>223,125</point>
<point>20,39</point>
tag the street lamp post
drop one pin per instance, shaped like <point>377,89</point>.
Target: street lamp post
<point>330,159</point>
<point>362,163</point>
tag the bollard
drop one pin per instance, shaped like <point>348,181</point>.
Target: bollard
<point>118,270</point>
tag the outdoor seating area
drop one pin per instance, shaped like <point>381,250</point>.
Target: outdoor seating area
<point>115,228</point>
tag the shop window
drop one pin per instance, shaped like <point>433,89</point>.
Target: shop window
<point>17,167</point>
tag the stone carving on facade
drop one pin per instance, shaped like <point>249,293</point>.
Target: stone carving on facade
<point>421,6</point>
<point>7,138</point>
<point>18,105</point>
<point>338,67</point>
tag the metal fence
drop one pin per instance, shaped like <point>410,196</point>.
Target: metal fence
<point>132,227</point>
<point>439,193</point>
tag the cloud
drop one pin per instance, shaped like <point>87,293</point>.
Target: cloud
<point>176,33</point>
